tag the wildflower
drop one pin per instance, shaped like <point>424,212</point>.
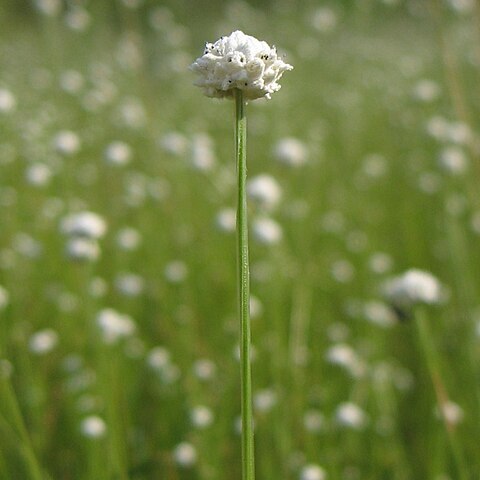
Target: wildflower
<point>265,191</point>
<point>84,224</point>
<point>4,298</point>
<point>201,417</point>
<point>291,152</point>
<point>43,341</point>
<point>350,415</point>
<point>185,454</point>
<point>7,101</point>
<point>93,427</point>
<point>239,61</point>
<point>313,421</point>
<point>267,231</point>
<point>312,472</point>
<point>204,369</point>
<point>413,287</point>
<point>114,325</point>
<point>118,153</point>
<point>67,142</point>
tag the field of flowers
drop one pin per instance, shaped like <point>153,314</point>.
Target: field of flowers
<point>119,336</point>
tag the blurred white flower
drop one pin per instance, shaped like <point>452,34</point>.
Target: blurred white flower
<point>345,356</point>
<point>313,421</point>
<point>452,412</point>
<point>239,61</point>
<point>128,238</point>
<point>201,416</point>
<point>350,415</point>
<point>83,249</point>
<point>4,297</point>
<point>264,400</point>
<point>7,101</point>
<point>203,155</point>
<point>84,224</point>
<point>267,231</point>
<point>185,454</point>
<point>324,20</point>
<point>176,271</point>
<point>114,325</point>
<point>43,341</point>
<point>226,220</point>
<point>174,143</point>
<point>93,427</point>
<point>67,142</point>
<point>413,287</point>
<point>453,160</point>
<point>312,472</point>
<point>118,153</point>
<point>290,151</point>
<point>265,191</point>
<point>38,174</point>
<point>204,369</point>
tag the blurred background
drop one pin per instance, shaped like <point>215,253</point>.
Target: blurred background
<point>119,335</point>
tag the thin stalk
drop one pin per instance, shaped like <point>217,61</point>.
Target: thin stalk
<point>441,393</point>
<point>248,462</point>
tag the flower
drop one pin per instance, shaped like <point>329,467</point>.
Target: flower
<point>413,287</point>
<point>239,61</point>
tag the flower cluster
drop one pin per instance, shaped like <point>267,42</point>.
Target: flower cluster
<point>413,287</point>
<point>239,61</point>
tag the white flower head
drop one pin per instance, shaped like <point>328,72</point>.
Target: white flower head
<point>239,61</point>
<point>414,287</point>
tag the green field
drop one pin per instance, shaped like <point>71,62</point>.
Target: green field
<point>119,348</point>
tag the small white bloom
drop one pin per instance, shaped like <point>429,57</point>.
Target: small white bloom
<point>379,314</point>
<point>176,271</point>
<point>130,284</point>
<point>71,81</point>
<point>67,142</point>
<point>414,286</point>
<point>203,155</point>
<point>314,421</point>
<point>201,417</point>
<point>38,174</point>
<point>204,369</point>
<point>312,472</point>
<point>267,231</point>
<point>118,153</point>
<point>174,143</point>
<point>84,224</point>
<point>345,356</point>
<point>114,325</point>
<point>265,191</point>
<point>7,101</point>
<point>239,61</point>
<point>452,412</point>
<point>351,415</point>
<point>291,151</point>
<point>226,220</point>
<point>158,358</point>
<point>43,341</point>
<point>83,249</point>
<point>128,238</point>
<point>454,160</point>
<point>185,454</point>
<point>426,90</point>
<point>4,297</point>
<point>93,427</point>
<point>264,400</point>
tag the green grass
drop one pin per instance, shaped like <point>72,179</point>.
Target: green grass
<point>372,186</point>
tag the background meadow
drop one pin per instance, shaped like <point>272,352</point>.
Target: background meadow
<point>118,333</point>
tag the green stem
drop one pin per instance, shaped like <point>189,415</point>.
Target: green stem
<point>441,394</point>
<point>248,463</point>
